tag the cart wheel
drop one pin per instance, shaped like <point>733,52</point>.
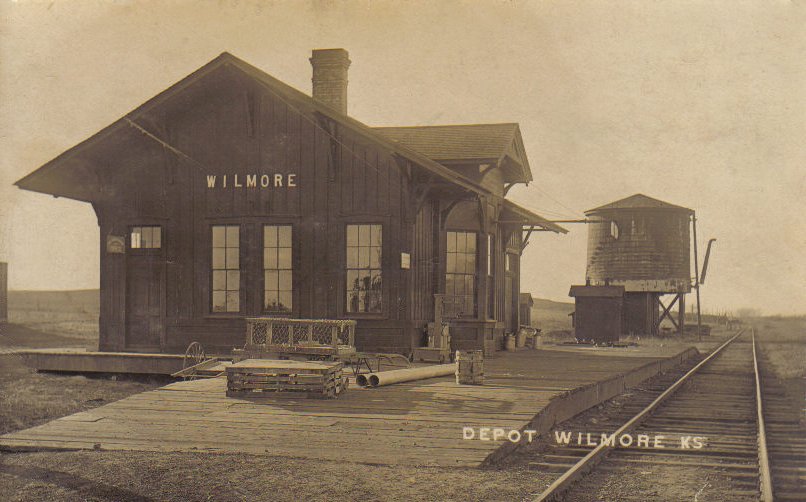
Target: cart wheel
<point>194,354</point>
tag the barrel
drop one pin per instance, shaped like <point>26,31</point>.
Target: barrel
<point>520,338</point>
<point>509,343</point>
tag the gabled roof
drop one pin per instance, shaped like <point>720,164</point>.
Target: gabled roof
<point>49,177</point>
<point>515,213</point>
<point>467,142</point>
<point>638,201</point>
<point>77,163</point>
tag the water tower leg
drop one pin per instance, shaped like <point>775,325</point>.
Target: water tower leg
<point>681,314</point>
<point>656,306</point>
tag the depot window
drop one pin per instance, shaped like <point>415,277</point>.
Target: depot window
<point>277,269</point>
<point>364,281</point>
<point>460,276</point>
<point>149,237</point>
<point>226,268</point>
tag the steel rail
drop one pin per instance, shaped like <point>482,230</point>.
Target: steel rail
<point>765,478</point>
<point>589,461</point>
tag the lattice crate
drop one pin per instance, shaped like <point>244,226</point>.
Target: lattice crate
<point>299,332</point>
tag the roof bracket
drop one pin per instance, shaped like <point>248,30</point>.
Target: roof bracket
<point>404,166</point>
<point>487,168</point>
<point>525,241</point>
<point>423,193</point>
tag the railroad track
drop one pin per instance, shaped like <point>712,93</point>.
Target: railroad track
<point>785,425</point>
<point>722,420</point>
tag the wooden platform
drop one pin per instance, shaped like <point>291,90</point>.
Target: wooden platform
<point>85,361</point>
<point>411,423</point>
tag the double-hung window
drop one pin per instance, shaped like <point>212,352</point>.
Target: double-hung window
<point>460,277</point>
<point>277,269</point>
<point>226,268</point>
<point>364,281</point>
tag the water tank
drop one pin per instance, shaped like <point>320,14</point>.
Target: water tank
<point>640,243</point>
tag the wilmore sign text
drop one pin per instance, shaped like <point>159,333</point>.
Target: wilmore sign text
<point>655,441</point>
<point>288,180</point>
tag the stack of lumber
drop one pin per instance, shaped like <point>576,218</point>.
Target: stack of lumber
<point>470,367</point>
<point>269,377</point>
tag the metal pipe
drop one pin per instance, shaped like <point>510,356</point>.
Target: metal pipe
<point>705,261</point>
<point>697,276</point>
<point>382,378</point>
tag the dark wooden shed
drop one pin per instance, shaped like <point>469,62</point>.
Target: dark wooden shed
<point>526,302</point>
<point>232,195</point>
<point>598,312</point>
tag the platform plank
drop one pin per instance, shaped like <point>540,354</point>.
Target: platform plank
<point>417,423</point>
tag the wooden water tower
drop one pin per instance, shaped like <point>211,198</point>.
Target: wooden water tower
<point>642,244</point>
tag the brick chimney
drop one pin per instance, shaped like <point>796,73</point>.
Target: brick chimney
<point>330,77</point>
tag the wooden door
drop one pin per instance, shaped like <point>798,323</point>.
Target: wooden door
<point>145,278</point>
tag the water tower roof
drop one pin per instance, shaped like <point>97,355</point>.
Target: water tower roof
<point>638,201</point>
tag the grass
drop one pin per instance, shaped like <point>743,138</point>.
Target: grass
<point>30,398</point>
<point>783,342</point>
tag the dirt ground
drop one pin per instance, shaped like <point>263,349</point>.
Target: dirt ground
<point>28,398</point>
<point>124,476</point>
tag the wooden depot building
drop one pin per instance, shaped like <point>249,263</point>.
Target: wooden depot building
<point>232,195</point>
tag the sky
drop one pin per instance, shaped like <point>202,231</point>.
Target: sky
<point>701,104</point>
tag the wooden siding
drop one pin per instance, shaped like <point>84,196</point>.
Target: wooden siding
<point>233,126</point>
<point>228,124</point>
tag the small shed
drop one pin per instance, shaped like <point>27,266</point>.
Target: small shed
<point>598,314</point>
<point>525,304</point>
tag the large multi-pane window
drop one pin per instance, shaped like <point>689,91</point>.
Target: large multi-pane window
<point>226,269</point>
<point>460,278</point>
<point>364,284</point>
<point>277,268</point>
<point>149,237</point>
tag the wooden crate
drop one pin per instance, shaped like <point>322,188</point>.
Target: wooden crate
<point>268,378</point>
<point>470,367</point>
